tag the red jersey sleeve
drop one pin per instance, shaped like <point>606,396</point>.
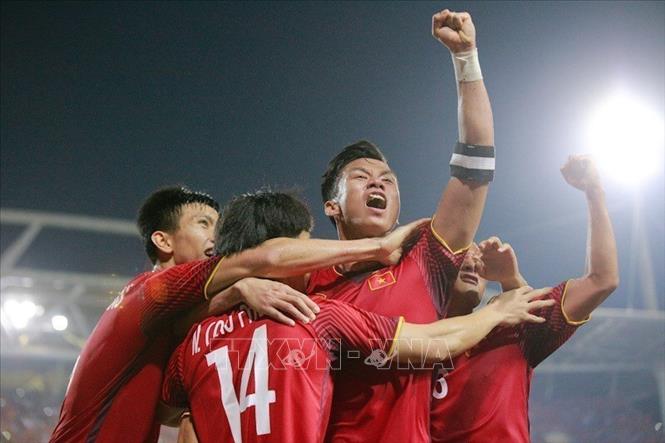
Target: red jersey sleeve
<point>539,340</point>
<point>174,290</point>
<point>342,325</point>
<point>173,389</point>
<point>438,264</point>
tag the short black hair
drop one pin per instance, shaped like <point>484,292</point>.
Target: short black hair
<point>330,178</point>
<point>251,219</point>
<point>161,212</point>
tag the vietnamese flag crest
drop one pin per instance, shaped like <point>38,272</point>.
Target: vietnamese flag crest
<point>378,281</point>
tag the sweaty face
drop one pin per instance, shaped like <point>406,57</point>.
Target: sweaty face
<point>194,238</point>
<point>469,287</point>
<point>367,203</point>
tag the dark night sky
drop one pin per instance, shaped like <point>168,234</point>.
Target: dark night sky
<point>104,102</point>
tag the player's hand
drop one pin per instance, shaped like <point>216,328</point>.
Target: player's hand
<point>580,172</point>
<point>186,431</point>
<point>394,244</point>
<point>517,306</point>
<point>276,300</point>
<point>499,261</point>
<point>455,30</point>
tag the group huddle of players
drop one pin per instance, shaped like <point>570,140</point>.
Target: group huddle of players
<point>247,330</point>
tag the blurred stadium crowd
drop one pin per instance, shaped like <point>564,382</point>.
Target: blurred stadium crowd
<point>28,416</point>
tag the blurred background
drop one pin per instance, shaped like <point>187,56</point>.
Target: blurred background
<point>103,102</point>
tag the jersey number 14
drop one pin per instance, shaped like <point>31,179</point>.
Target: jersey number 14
<point>234,405</point>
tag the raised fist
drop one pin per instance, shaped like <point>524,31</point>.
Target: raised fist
<point>580,172</point>
<point>455,30</point>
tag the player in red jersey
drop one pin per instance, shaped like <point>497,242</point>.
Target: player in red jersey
<point>115,376</point>
<point>116,381</point>
<point>361,197</point>
<point>485,397</point>
<point>286,370</point>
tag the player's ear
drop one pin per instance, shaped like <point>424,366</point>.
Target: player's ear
<point>331,208</point>
<point>163,241</point>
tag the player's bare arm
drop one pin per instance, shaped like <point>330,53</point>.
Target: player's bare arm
<point>288,257</point>
<point>601,278</point>
<point>177,418</point>
<point>186,431</point>
<point>452,336</point>
<point>583,294</point>
<point>283,258</point>
<point>461,206</point>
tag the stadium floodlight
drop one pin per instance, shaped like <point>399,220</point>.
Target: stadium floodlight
<point>59,322</point>
<point>627,138</point>
<point>19,313</point>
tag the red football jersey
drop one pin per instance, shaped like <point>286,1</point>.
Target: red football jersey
<point>116,381</point>
<point>485,397</point>
<point>376,403</point>
<point>256,380</point>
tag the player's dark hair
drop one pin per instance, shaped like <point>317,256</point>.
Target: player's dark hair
<point>161,211</point>
<point>251,219</point>
<point>330,178</point>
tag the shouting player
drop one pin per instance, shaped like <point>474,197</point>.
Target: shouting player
<point>361,197</point>
<point>114,388</point>
<point>485,397</point>
<point>250,379</point>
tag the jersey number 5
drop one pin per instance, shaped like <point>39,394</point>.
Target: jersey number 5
<point>257,360</point>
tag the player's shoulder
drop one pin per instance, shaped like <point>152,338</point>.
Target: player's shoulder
<point>560,288</point>
<point>428,239</point>
<point>424,234</point>
<point>138,281</point>
<point>143,276</point>
<point>322,277</point>
<point>557,292</point>
<point>134,286</point>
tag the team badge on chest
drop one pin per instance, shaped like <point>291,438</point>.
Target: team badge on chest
<point>379,281</point>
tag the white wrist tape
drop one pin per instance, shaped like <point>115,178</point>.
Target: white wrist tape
<point>467,67</point>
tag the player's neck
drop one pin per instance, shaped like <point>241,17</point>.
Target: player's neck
<point>456,308</point>
<point>161,265</point>
<point>351,232</point>
<point>347,233</point>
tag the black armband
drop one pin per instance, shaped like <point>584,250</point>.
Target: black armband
<point>472,162</point>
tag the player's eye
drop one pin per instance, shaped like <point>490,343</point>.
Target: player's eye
<point>204,222</point>
<point>361,177</point>
<point>388,180</point>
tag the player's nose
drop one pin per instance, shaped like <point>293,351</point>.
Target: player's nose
<point>375,182</point>
<point>477,263</point>
<point>468,265</point>
<point>472,262</point>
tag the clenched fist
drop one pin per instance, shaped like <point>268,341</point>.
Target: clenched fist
<point>455,30</point>
<point>580,172</point>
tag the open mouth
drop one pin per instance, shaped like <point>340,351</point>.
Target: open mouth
<point>209,252</point>
<point>376,201</point>
<point>469,278</point>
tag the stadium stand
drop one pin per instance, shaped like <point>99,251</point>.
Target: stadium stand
<point>606,384</point>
